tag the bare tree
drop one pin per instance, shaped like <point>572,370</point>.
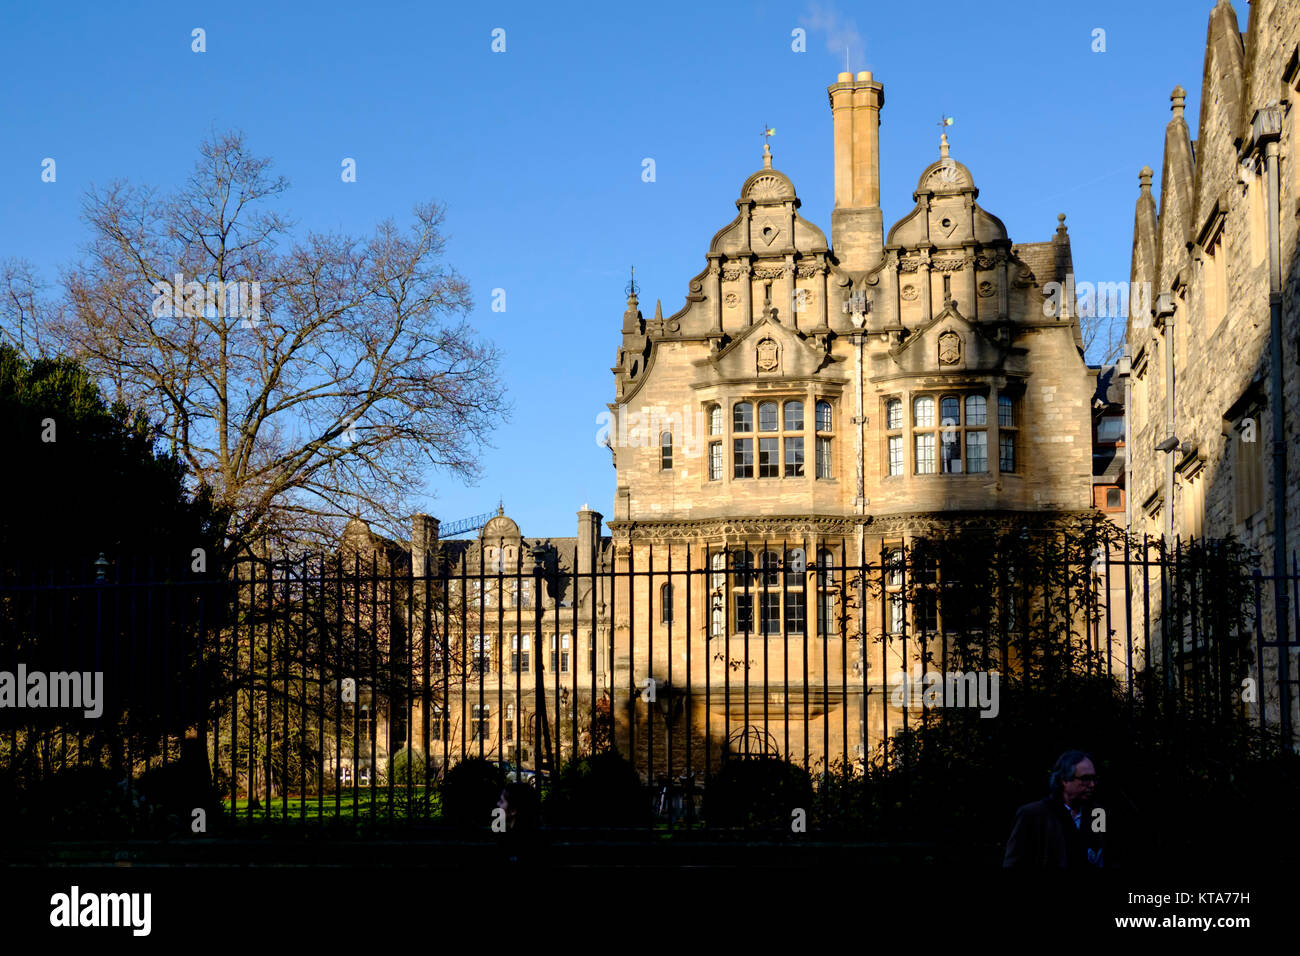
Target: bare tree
<point>303,381</point>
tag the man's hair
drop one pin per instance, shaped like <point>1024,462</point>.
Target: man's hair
<point>1064,769</point>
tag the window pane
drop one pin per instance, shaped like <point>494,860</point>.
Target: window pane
<point>666,450</point>
<point>1004,412</point>
<point>767,416</point>
<point>771,570</point>
<point>825,613</point>
<point>768,464</point>
<point>1007,449</point>
<point>824,416</point>
<point>743,457</point>
<point>770,606</point>
<point>925,454</point>
<point>950,446</point>
<point>896,454</point>
<point>715,460</point>
<point>823,457</point>
<point>794,416</point>
<point>744,612</point>
<point>794,613</point>
<point>894,414</point>
<point>825,564</point>
<point>715,420</point>
<point>923,412</point>
<point>793,457</point>
<point>793,579</point>
<point>949,411</point>
<point>977,452</point>
<point>976,410</point>
<point>743,417</point>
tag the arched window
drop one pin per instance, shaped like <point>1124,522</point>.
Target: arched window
<point>666,451</point>
<point>894,413</point>
<point>767,417</point>
<point>666,603</point>
<point>824,423</point>
<point>742,417</point>
<point>825,596</point>
<point>923,412</point>
<point>715,419</point>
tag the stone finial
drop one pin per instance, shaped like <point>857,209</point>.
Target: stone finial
<point>1144,179</point>
<point>501,507</point>
<point>1178,99</point>
<point>767,156</point>
<point>943,145</point>
<point>1060,223</point>
<point>659,309</point>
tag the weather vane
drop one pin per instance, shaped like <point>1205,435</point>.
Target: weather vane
<point>632,288</point>
<point>944,120</point>
<point>768,133</point>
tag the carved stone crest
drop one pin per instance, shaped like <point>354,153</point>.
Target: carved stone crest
<point>768,353</point>
<point>949,348</point>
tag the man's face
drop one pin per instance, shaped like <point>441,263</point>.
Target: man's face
<point>1079,789</point>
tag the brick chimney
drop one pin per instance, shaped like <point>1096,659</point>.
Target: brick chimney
<point>857,226</point>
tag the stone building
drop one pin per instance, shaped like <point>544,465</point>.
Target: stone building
<point>813,407</point>
<point>1211,413</point>
<point>816,403</point>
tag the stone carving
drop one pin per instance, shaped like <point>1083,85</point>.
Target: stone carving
<point>766,188</point>
<point>986,289</point>
<point>948,263</point>
<point>767,232</point>
<point>807,272</point>
<point>732,272</point>
<point>909,292</point>
<point>909,264</point>
<point>949,348</point>
<point>731,300</point>
<point>985,262</point>
<point>768,354</point>
<point>775,272</point>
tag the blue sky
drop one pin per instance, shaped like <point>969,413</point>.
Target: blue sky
<point>538,151</point>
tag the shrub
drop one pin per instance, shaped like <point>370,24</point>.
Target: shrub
<point>470,792</point>
<point>600,790</point>
<point>757,792</point>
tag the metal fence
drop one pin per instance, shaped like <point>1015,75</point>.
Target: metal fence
<point>346,686</point>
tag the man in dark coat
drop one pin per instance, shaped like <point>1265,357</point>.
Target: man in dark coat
<point>1061,829</point>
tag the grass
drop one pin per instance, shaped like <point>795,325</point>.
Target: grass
<point>315,809</point>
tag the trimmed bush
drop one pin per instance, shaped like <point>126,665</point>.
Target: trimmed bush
<point>757,792</point>
<point>470,792</point>
<point>603,790</point>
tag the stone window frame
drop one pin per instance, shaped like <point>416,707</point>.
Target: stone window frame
<point>1009,431</point>
<point>823,442</point>
<point>715,461</point>
<point>520,655</point>
<point>666,451</point>
<point>912,427</point>
<point>747,431</point>
<point>752,591</point>
<point>1212,262</point>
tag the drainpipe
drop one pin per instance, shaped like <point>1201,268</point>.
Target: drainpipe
<point>1266,130</point>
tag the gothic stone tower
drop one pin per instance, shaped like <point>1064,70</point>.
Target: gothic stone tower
<point>829,404</point>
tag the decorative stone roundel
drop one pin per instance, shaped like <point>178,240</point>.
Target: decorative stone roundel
<point>731,300</point>
<point>986,288</point>
<point>909,292</point>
